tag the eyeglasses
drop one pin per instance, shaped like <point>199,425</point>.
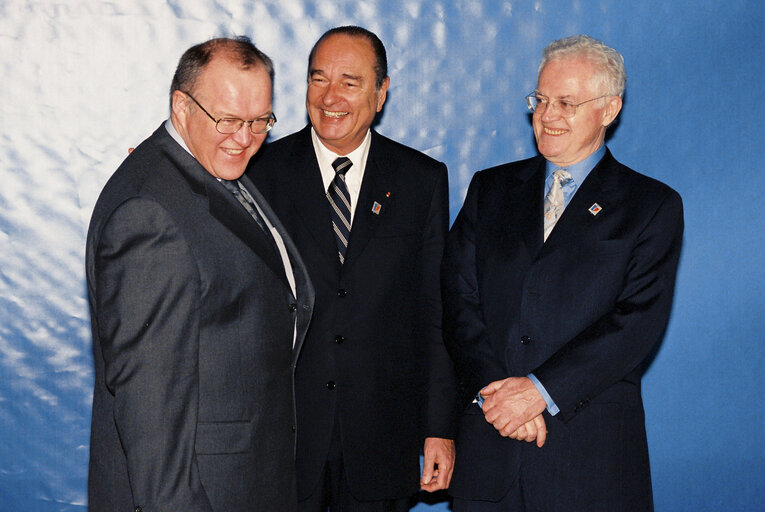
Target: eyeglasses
<point>229,125</point>
<point>539,103</point>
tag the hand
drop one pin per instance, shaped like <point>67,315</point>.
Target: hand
<point>439,464</point>
<point>511,403</point>
<point>535,429</point>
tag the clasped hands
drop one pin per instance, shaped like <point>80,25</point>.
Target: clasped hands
<point>514,407</point>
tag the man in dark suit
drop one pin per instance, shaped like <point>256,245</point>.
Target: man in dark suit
<point>558,280</point>
<point>374,379</point>
<point>199,304</point>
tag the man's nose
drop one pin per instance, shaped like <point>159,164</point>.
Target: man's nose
<point>331,94</point>
<point>551,111</point>
<point>243,136</point>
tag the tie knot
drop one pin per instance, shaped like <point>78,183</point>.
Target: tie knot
<point>341,165</point>
<point>231,185</point>
<point>561,176</point>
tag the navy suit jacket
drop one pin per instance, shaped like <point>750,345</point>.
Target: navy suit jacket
<point>581,311</point>
<point>193,321</point>
<point>374,353</point>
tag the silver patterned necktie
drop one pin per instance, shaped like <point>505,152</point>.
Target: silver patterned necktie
<point>554,201</point>
<point>340,205</point>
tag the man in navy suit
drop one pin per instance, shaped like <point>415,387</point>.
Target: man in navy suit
<point>558,280</point>
<point>199,303</point>
<point>374,383</point>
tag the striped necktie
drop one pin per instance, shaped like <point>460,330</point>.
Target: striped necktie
<point>340,205</point>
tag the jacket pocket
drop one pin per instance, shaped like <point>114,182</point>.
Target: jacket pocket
<point>225,437</point>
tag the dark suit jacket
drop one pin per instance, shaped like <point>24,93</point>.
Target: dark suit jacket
<point>581,311</point>
<point>374,349</point>
<point>193,323</point>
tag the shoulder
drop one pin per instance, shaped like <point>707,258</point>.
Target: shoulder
<point>384,147</point>
<point>407,166</point>
<point>148,174</point>
<point>640,188</point>
<point>284,147</point>
<point>508,174</point>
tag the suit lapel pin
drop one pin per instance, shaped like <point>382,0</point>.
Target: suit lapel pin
<point>387,194</point>
<point>595,209</point>
<point>376,207</point>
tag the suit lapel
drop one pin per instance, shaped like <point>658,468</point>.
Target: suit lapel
<point>377,178</point>
<point>303,288</point>
<point>222,204</point>
<point>529,206</point>
<point>225,208</point>
<point>596,190</point>
<point>309,198</point>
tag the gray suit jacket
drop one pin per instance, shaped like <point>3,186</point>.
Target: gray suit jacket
<point>193,320</point>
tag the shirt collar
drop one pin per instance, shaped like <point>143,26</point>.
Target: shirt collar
<point>326,156</point>
<point>580,170</point>
<point>170,127</point>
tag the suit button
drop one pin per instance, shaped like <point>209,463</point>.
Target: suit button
<point>341,293</point>
<point>294,429</point>
<point>331,385</point>
<point>339,339</point>
<point>293,307</point>
<point>525,340</point>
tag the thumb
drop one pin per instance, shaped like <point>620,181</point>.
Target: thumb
<point>491,388</point>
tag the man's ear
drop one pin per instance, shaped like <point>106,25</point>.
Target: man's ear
<point>180,103</point>
<point>613,107</point>
<point>382,93</point>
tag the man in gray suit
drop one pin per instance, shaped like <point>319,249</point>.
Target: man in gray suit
<point>199,303</point>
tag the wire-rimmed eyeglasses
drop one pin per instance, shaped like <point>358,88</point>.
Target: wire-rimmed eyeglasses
<point>229,125</point>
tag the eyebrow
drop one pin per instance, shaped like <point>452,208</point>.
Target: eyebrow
<point>344,75</point>
<point>564,97</point>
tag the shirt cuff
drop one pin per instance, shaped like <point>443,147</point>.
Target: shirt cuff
<point>551,407</point>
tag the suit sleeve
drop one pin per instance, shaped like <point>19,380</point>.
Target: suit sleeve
<point>465,332</point>
<point>441,390</point>
<point>147,302</point>
<point>611,348</point>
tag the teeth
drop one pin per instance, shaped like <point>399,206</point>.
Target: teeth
<point>550,131</point>
<point>336,115</point>
<point>234,152</point>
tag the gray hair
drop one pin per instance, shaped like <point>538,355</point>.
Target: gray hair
<point>609,62</point>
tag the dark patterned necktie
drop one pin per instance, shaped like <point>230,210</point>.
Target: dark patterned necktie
<point>340,205</point>
<point>246,200</point>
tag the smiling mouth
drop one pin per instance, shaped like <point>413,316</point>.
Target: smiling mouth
<point>233,152</point>
<point>334,115</point>
<point>550,131</point>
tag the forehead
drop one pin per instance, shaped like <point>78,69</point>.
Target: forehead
<point>226,80</point>
<point>344,52</point>
<point>568,76</point>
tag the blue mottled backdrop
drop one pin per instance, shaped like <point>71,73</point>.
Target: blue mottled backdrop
<point>83,80</point>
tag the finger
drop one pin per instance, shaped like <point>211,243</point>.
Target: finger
<point>541,430</point>
<point>531,431</point>
<point>427,469</point>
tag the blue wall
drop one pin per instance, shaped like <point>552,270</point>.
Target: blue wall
<point>85,79</point>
